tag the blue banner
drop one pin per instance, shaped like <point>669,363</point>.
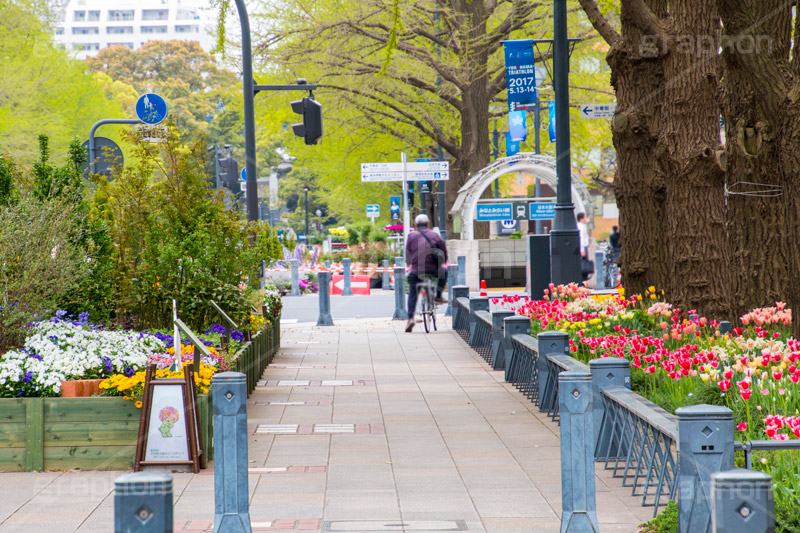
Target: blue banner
<point>552,113</point>
<point>518,125</point>
<point>520,77</point>
<point>512,147</point>
<point>494,212</point>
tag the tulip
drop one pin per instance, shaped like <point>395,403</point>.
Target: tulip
<point>742,426</point>
<point>725,385</point>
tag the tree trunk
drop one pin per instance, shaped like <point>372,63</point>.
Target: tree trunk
<point>639,185</point>
<point>697,242</point>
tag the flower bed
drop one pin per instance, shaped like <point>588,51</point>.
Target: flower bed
<point>679,358</point>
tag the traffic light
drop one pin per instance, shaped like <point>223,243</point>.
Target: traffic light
<point>228,172</point>
<point>311,127</point>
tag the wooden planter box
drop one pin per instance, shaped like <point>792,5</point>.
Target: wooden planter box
<point>97,433</point>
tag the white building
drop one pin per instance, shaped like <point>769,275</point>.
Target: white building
<point>89,25</point>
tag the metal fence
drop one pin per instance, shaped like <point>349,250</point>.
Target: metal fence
<point>481,340</point>
<point>522,371</point>
<point>461,318</point>
<point>556,364</point>
<point>638,442</point>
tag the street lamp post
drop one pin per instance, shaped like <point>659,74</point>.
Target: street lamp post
<point>565,263</point>
<point>306,191</point>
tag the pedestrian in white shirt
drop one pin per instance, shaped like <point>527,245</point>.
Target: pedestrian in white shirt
<point>583,231</point>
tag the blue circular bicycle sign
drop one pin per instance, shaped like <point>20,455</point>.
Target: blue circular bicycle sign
<point>151,108</point>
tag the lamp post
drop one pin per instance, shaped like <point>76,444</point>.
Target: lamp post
<point>565,263</point>
<point>305,188</point>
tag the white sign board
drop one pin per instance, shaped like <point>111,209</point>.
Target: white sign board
<point>598,110</point>
<point>166,438</point>
<point>416,171</point>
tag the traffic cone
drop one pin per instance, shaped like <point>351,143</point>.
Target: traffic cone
<point>483,289</point>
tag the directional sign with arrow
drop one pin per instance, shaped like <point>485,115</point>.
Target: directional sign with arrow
<point>359,284</point>
<point>598,110</point>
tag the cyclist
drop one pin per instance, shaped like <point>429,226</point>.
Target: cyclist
<point>426,254</point>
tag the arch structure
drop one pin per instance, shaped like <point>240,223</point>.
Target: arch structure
<point>465,207</point>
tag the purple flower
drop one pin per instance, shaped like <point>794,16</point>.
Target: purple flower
<point>27,377</point>
<point>129,371</point>
<point>61,313</point>
<point>108,364</point>
<point>83,318</point>
<point>237,336</point>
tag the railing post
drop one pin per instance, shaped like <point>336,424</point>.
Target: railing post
<point>462,269</point>
<point>327,263</point>
<point>724,327</point>
<point>458,291</point>
<point>399,261</point>
<point>599,270</point>
<point>347,290</point>
<point>550,342</point>
<point>705,446</point>
<point>295,265</point>
<point>143,503</point>
<point>231,490</point>
<point>498,347</point>
<point>324,299</point>
<point>742,502</point>
<point>452,281</point>
<point>606,372</point>
<point>513,325</point>
<point>478,303</point>
<point>386,278</point>
<point>400,312</point>
<point>578,501</point>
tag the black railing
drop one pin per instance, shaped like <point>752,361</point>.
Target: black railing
<point>522,368</point>
<point>482,339</point>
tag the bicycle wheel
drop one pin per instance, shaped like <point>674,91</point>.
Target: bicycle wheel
<point>425,304</point>
<point>433,311</point>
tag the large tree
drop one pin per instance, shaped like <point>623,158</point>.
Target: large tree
<point>424,72</point>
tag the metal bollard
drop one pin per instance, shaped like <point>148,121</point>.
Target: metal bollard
<point>327,263</point>
<point>231,491</point>
<point>458,291</point>
<point>578,499</point>
<point>399,261</point>
<point>742,502</point>
<point>400,312</point>
<point>452,281</point>
<point>705,446</point>
<point>606,372</point>
<point>143,503</point>
<point>599,270</point>
<point>513,325</point>
<point>724,327</point>
<point>550,342</point>
<point>462,269</point>
<point>498,347</point>
<point>347,290</point>
<point>295,265</point>
<point>324,300</point>
<point>478,303</point>
<point>386,279</point>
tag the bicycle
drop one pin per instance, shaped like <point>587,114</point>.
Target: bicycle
<point>426,293</point>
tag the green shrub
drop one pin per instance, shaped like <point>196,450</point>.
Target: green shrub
<point>665,522</point>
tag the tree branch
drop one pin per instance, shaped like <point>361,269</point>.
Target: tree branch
<point>600,22</point>
<point>646,20</point>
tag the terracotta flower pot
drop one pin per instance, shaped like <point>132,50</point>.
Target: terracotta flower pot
<point>80,388</point>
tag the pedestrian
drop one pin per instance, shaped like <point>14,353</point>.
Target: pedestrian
<point>426,253</point>
<point>587,265</point>
<point>613,241</point>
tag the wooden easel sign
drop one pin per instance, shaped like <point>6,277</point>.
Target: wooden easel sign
<point>168,428</point>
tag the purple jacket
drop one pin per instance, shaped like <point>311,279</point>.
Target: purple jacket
<point>420,254</point>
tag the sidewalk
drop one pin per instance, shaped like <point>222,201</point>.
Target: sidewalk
<point>362,427</point>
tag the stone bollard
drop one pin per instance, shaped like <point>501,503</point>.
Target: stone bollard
<point>458,291</point>
<point>705,446</point>
<point>550,342</point>
<point>606,372</point>
<point>478,303</point>
<point>498,349</point>
<point>386,278</point>
<point>347,290</point>
<point>324,300</point>
<point>599,271</point>
<point>327,263</point>
<point>742,502</point>
<point>400,312</point>
<point>452,281</point>
<point>513,325</point>
<point>231,491</point>
<point>295,265</point>
<point>462,269</point>
<point>724,327</point>
<point>578,500</point>
<point>143,503</point>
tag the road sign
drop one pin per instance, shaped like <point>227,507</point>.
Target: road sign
<point>520,211</point>
<point>152,133</point>
<point>244,173</point>
<point>424,187</point>
<point>494,212</point>
<point>359,284</point>
<point>373,210</point>
<point>598,110</point>
<point>542,211</point>
<point>416,171</point>
<point>151,108</point>
<point>107,155</point>
<point>509,224</point>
